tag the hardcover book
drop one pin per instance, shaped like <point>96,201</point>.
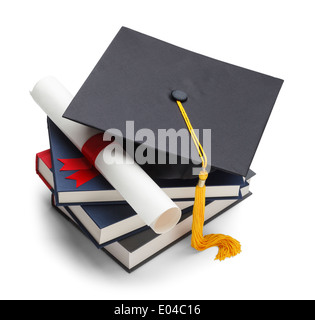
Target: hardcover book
<point>44,168</point>
<point>97,190</point>
<point>104,224</point>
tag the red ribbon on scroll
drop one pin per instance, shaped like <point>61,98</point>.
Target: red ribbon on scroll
<point>85,165</point>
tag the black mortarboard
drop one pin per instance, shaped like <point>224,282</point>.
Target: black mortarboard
<point>136,76</point>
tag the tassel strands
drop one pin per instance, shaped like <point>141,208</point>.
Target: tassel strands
<point>228,247</point>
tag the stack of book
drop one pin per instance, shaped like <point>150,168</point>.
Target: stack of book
<point>99,211</point>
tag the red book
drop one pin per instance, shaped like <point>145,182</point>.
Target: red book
<point>44,167</point>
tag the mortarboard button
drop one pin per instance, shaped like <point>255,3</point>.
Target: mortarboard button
<point>179,95</point>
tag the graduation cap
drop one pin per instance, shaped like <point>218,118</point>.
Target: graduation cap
<point>158,85</point>
<point>135,78</point>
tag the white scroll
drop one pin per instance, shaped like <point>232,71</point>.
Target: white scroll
<point>155,208</point>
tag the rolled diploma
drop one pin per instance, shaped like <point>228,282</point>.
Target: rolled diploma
<point>151,203</point>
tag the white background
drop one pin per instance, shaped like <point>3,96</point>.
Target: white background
<point>43,257</point>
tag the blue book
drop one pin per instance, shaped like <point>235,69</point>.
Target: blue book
<point>69,189</point>
<point>105,224</point>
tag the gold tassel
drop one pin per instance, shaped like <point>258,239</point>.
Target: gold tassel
<point>228,247</point>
